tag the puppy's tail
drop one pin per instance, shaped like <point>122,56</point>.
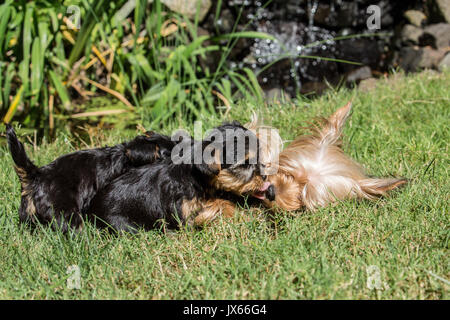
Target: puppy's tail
<point>25,169</point>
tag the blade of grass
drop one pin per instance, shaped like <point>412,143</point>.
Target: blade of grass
<point>37,69</point>
<point>5,13</point>
<point>60,89</point>
<point>255,85</point>
<point>1,84</point>
<point>24,66</point>
<point>14,104</point>
<point>245,34</point>
<point>86,30</point>
<point>98,113</point>
<point>110,91</point>
<point>8,81</point>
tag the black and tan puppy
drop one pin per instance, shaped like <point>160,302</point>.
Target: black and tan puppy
<point>171,192</point>
<point>60,191</point>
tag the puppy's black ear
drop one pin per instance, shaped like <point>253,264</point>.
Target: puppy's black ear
<point>147,149</point>
<point>211,161</point>
<point>209,170</point>
<point>232,123</point>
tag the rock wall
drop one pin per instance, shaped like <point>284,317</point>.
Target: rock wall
<point>412,35</point>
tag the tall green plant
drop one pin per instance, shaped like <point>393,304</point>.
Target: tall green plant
<point>147,55</point>
<point>27,51</point>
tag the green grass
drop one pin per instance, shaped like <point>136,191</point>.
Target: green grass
<point>400,129</point>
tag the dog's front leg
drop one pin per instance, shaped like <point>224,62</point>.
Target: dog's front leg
<point>211,209</point>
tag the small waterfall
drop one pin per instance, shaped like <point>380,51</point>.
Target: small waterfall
<point>296,24</point>
<point>312,9</point>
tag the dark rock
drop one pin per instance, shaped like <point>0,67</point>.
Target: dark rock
<point>430,58</point>
<point>322,15</point>
<point>359,74</point>
<point>409,58</point>
<point>225,22</point>
<point>189,8</point>
<point>415,17</point>
<point>279,75</point>
<point>294,40</point>
<point>241,49</point>
<point>313,87</point>
<point>414,58</point>
<point>439,10</point>
<point>411,34</point>
<point>348,15</point>
<point>343,14</point>
<point>436,36</point>
<point>305,31</point>
<point>366,51</point>
<point>387,10</point>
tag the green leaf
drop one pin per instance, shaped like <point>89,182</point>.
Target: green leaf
<point>245,34</point>
<point>8,80</point>
<point>5,13</point>
<point>256,88</point>
<point>2,65</point>
<point>37,69</point>
<point>153,94</point>
<point>24,66</point>
<point>14,104</point>
<point>86,30</point>
<point>60,89</point>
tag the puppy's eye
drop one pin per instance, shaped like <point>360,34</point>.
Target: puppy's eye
<point>242,167</point>
<point>166,153</point>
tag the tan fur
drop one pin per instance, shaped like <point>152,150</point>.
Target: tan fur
<point>200,212</point>
<point>26,191</point>
<point>21,173</point>
<point>211,209</point>
<point>189,207</point>
<point>228,182</point>
<point>31,209</point>
<point>314,171</point>
<point>155,154</point>
<point>225,180</point>
<point>288,187</point>
<point>270,143</point>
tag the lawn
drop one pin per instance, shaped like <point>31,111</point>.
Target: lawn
<point>394,248</point>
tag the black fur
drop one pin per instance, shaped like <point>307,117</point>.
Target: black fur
<point>152,195</point>
<point>62,190</point>
<point>145,197</point>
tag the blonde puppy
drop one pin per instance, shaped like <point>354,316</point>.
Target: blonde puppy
<point>313,171</point>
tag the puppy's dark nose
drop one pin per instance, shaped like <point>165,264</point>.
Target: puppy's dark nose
<point>270,193</point>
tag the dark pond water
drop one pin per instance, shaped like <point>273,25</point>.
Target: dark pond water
<point>310,28</point>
